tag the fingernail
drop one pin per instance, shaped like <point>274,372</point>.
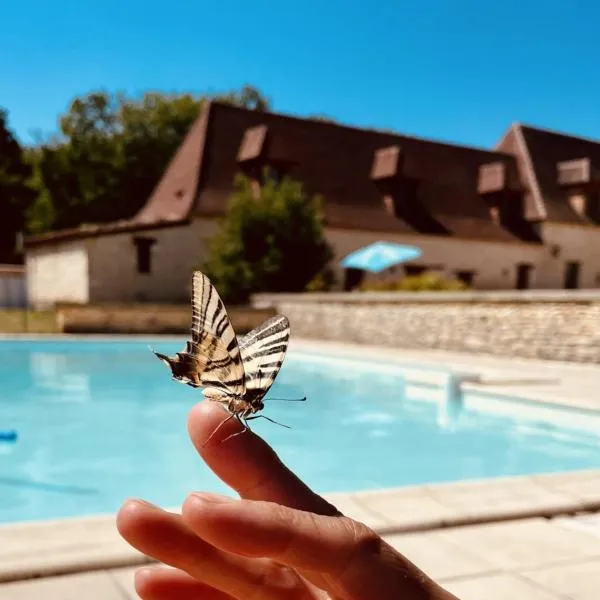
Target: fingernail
<point>144,502</point>
<point>144,574</point>
<point>211,498</point>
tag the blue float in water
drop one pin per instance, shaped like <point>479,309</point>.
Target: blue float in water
<point>8,435</point>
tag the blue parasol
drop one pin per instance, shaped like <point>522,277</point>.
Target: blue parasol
<point>379,256</point>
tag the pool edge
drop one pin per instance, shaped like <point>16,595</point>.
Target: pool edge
<point>72,545</point>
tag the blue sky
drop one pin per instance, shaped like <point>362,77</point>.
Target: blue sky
<point>445,69</point>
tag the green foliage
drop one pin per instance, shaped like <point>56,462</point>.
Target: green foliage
<point>15,194</point>
<point>322,281</point>
<point>270,241</point>
<point>425,282</point>
<point>110,153</point>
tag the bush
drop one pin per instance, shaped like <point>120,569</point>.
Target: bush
<point>425,282</point>
<point>322,282</point>
<point>272,241</point>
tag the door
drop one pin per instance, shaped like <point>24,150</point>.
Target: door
<point>572,270</point>
<point>524,276</point>
<point>352,278</point>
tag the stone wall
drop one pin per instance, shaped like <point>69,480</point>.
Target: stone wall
<point>146,318</point>
<point>534,324</point>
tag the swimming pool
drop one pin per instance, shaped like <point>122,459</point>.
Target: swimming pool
<point>100,421</point>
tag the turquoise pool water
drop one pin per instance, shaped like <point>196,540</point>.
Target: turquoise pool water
<point>99,421</point>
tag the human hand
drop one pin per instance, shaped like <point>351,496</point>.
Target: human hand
<point>281,541</point>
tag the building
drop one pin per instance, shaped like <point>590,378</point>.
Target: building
<point>523,215</point>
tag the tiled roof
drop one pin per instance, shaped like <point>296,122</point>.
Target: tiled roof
<point>332,160</point>
<point>538,153</point>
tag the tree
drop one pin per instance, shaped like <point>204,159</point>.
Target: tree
<point>15,195</point>
<point>270,241</point>
<point>110,153</point>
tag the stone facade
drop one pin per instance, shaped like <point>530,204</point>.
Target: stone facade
<point>114,277</point>
<point>544,325</point>
<point>104,269</point>
<point>57,272</point>
<point>568,243</point>
<point>493,264</point>
<point>13,287</point>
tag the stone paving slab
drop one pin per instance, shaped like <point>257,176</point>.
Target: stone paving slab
<point>124,578</point>
<point>100,585</point>
<point>524,544</point>
<point>578,581</point>
<point>73,545</point>
<point>503,586</point>
<point>439,557</point>
<point>583,485</point>
<point>35,549</point>
<point>533,559</point>
<point>516,497</point>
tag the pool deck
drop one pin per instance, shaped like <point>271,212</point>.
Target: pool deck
<point>521,537</point>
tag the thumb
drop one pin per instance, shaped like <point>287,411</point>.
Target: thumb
<point>352,558</point>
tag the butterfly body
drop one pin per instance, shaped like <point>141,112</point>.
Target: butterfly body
<point>235,374</point>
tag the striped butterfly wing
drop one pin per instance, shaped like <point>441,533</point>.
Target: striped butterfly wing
<point>204,345</point>
<point>214,341</point>
<point>263,351</point>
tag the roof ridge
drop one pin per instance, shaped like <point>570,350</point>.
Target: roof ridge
<point>531,172</point>
<point>330,124</point>
<point>560,133</point>
<point>193,143</point>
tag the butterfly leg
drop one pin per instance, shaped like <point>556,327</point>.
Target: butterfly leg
<point>268,419</point>
<point>219,427</point>
<point>241,421</point>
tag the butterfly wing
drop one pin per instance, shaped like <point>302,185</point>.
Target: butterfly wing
<point>263,351</point>
<point>212,355</point>
<point>213,337</point>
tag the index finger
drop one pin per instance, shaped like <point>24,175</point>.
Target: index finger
<point>247,463</point>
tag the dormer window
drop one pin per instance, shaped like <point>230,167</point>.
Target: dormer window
<point>578,203</point>
<point>261,158</point>
<point>574,172</point>
<point>495,214</point>
<point>586,204</point>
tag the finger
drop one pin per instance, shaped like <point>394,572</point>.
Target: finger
<point>165,537</point>
<point>351,558</point>
<point>247,463</point>
<point>159,583</point>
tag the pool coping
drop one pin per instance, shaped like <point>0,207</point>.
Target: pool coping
<point>71,545</point>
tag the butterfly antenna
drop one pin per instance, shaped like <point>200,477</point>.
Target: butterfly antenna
<point>268,419</point>
<point>288,399</point>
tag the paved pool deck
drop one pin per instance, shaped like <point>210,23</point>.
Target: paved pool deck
<point>530,537</point>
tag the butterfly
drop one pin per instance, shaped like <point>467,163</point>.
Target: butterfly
<point>236,374</point>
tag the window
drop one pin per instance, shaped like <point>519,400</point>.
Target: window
<point>593,206</point>
<point>586,205</point>
<point>466,277</point>
<point>495,214</point>
<point>353,278</point>
<point>412,270</point>
<point>143,246</point>
<point>572,270</point>
<point>524,271</point>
